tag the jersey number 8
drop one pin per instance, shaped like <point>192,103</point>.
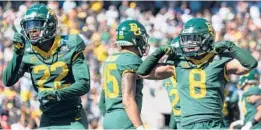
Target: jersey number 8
<point>197,84</point>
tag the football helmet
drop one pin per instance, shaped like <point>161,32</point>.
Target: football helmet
<point>197,37</point>
<point>133,33</point>
<point>251,77</point>
<point>39,17</point>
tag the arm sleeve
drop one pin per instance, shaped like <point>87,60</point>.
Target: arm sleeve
<point>243,56</point>
<point>80,71</point>
<point>81,85</point>
<point>14,70</point>
<point>170,60</point>
<point>150,62</point>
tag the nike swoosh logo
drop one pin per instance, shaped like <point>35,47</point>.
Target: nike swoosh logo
<point>60,55</point>
<point>78,118</point>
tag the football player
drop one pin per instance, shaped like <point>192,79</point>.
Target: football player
<point>57,66</point>
<point>170,85</point>
<point>121,98</point>
<point>251,100</point>
<point>202,70</point>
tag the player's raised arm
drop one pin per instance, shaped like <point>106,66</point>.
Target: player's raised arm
<point>242,61</point>
<point>128,98</point>
<point>15,69</point>
<point>150,69</point>
<point>159,72</point>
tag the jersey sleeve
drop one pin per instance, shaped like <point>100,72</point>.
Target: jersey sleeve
<point>170,60</point>
<point>14,70</point>
<point>129,63</point>
<point>80,71</point>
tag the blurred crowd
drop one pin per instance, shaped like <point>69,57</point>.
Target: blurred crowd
<point>96,22</point>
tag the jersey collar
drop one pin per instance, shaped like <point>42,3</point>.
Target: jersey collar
<point>53,49</point>
<point>202,60</point>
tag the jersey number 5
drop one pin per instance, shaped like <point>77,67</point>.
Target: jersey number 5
<point>197,80</point>
<point>108,78</point>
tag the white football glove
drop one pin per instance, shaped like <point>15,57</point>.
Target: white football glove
<point>247,126</point>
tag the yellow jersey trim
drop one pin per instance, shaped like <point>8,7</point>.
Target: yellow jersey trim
<point>53,49</point>
<point>75,56</point>
<point>202,60</point>
<point>128,71</point>
<point>226,74</point>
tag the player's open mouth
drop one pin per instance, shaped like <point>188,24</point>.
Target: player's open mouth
<point>191,49</point>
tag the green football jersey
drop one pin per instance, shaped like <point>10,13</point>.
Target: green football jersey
<point>201,87</point>
<point>113,68</point>
<point>170,85</point>
<point>56,69</point>
<point>249,110</point>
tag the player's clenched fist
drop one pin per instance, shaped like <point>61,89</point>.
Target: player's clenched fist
<point>18,44</point>
<point>221,46</point>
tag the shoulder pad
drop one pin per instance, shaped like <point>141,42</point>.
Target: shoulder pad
<point>129,58</point>
<point>75,41</point>
<point>129,62</point>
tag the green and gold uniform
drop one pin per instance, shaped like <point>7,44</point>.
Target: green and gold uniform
<point>170,85</point>
<point>113,68</point>
<point>249,110</point>
<point>63,69</point>
<point>201,88</point>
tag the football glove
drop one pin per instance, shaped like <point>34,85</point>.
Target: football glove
<point>247,126</point>
<point>242,55</point>
<point>46,97</point>
<point>18,43</point>
<point>168,50</point>
<point>140,128</point>
<point>221,46</point>
<point>152,60</point>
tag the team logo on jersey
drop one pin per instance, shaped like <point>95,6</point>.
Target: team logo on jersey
<point>65,49</point>
<point>184,65</point>
<point>33,59</point>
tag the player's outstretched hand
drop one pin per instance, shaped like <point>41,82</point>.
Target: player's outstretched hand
<point>18,43</point>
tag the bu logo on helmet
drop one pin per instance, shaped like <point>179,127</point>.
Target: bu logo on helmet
<point>210,29</point>
<point>135,29</point>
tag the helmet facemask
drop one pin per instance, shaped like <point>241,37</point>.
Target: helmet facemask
<point>141,42</point>
<point>46,27</point>
<point>194,44</point>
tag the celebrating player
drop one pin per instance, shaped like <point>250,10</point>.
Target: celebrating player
<point>202,68</point>
<point>121,97</point>
<point>57,67</point>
